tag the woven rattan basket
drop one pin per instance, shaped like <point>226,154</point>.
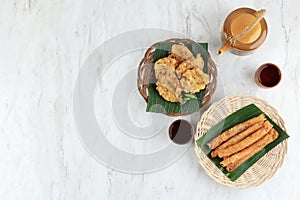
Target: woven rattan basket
<point>264,168</point>
<point>145,71</point>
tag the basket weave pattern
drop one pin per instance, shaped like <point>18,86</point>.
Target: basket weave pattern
<point>145,71</point>
<point>264,168</point>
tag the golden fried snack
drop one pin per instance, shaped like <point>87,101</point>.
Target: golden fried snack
<point>237,159</point>
<point>181,52</point>
<point>186,87</point>
<point>192,79</point>
<point>267,126</point>
<point>237,138</point>
<point>234,130</point>
<point>214,153</point>
<point>183,67</point>
<point>195,79</point>
<point>166,77</point>
<point>167,61</point>
<point>204,76</point>
<point>197,61</point>
<point>166,93</point>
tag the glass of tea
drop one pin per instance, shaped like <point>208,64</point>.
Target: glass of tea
<point>267,75</point>
<point>181,131</point>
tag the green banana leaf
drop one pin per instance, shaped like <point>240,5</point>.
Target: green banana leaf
<point>159,105</point>
<point>235,118</point>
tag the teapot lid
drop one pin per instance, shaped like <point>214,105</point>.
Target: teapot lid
<point>238,21</point>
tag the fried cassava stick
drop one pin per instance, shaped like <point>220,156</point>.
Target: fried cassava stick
<point>237,159</point>
<point>237,138</point>
<point>267,126</point>
<point>234,130</point>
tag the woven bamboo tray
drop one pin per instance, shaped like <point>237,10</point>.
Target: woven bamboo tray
<point>145,71</point>
<point>264,168</point>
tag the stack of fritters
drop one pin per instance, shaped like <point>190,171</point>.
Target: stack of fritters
<point>180,73</point>
<point>239,143</point>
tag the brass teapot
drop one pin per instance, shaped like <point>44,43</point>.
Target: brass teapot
<point>244,31</point>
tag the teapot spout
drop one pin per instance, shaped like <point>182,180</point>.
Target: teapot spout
<point>224,48</point>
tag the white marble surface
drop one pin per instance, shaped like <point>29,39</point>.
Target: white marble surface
<point>42,46</point>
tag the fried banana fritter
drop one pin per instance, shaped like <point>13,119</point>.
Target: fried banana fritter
<point>165,75</point>
<point>191,78</point>
<point>186,65</point>
<point>194,79</point>
<point>166,93</point>
<point>168,61</point>
<point>181,52</point>
<point>197,61</point>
